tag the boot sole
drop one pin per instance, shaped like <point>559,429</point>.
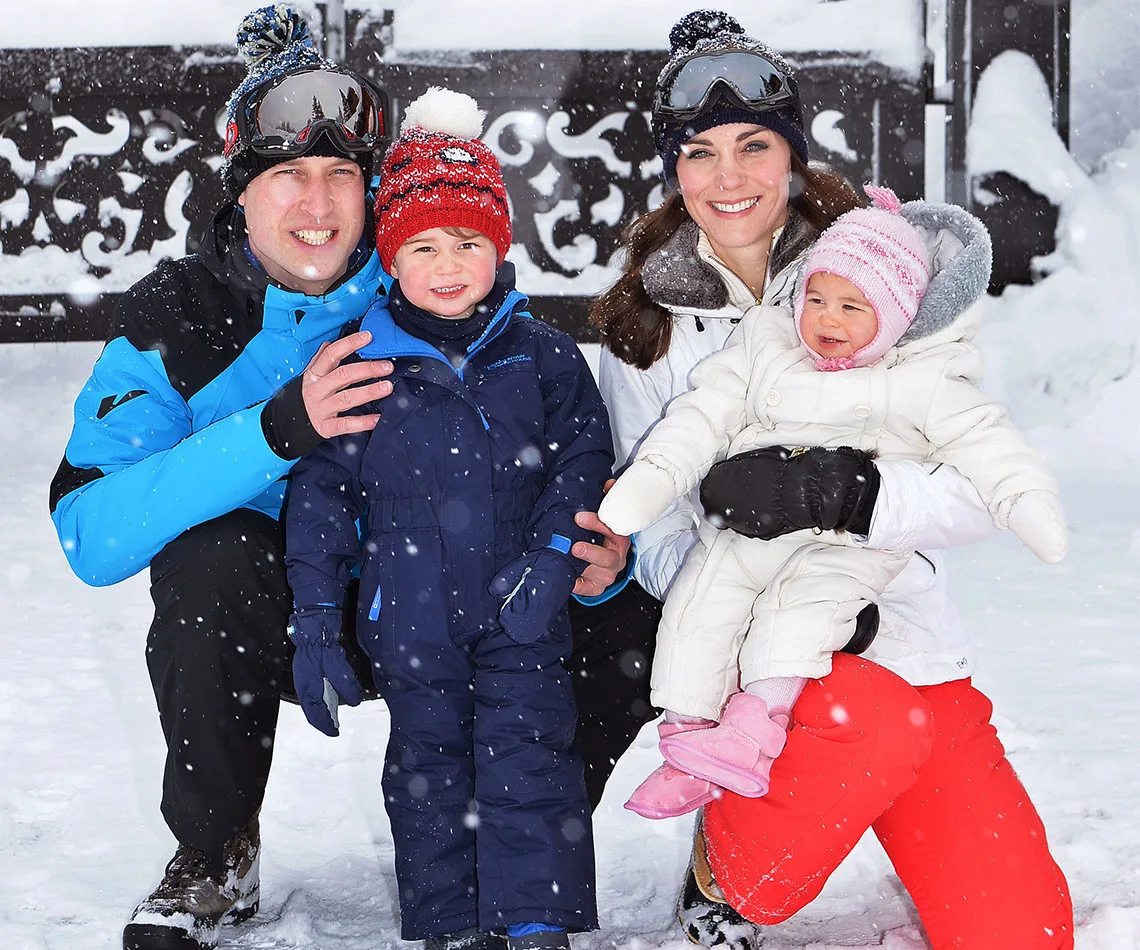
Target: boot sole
<point>158,937</point>
<point>710,929</point>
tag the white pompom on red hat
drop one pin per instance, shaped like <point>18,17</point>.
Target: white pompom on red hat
<point>882,254</point>
<point>438,174</point>
<point>446,111</point>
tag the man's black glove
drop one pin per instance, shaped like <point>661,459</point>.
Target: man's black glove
<point>771,492</point>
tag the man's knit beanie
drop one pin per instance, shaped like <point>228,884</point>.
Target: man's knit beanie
<point>715,32</point>
<point>273,41</point>
<point>882,254</point>
<point>438,174</point>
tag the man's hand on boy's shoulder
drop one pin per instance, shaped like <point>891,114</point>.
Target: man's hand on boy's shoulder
<point>332,386</point>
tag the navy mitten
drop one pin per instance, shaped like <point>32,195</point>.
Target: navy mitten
<point>320,658</point>
<point>534,588</point>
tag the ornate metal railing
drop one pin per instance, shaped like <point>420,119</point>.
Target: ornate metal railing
<point>111,164</point>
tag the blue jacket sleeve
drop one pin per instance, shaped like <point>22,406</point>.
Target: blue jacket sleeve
<point>580,446</point>
<point>325,501</point>
<point>135,475</point>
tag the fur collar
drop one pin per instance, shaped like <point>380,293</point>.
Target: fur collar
<point>674,276</point>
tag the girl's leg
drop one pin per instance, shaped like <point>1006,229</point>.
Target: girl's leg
<point>858,738</point>
<point>968,843</point>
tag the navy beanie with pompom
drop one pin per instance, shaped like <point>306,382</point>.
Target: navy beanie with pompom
<point>713,32</point>
<point>274,41</point>
<point>701,24</point>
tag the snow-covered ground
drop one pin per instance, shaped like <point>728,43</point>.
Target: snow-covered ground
<point>80,746</point>
<point>81,838</point>
<point>80,834</point>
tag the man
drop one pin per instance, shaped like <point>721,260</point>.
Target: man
<point>217,376</point>
<point>221,370</point>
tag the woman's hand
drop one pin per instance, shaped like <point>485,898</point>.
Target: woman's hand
<point>773,491</point>
<point>605,561</point>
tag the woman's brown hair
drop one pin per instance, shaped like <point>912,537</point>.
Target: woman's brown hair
<point>637,330</point>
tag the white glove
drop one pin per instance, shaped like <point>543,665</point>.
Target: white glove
<point>637,499</point>
<point>1038,519</point>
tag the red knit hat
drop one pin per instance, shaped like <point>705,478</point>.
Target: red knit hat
<point>438,174</point>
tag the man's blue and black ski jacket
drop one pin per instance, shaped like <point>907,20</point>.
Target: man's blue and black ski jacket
<point>194,408</point>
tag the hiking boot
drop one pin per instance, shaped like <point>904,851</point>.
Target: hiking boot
<point>193,900</point>
<point>703,912</point>
<point>470,939</point>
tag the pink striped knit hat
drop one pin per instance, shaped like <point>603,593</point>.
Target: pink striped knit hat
<point>879,251</point>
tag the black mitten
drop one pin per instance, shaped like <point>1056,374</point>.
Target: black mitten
<point>774,491</point>
<point>866,628</point>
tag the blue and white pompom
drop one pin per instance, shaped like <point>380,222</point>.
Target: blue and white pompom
<point>270,31</point>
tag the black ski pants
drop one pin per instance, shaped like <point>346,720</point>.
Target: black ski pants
<point>220,660</point>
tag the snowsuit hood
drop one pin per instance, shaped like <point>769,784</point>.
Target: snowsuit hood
<point>962,256</point>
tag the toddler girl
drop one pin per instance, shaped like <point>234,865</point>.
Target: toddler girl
<point>748,620</point>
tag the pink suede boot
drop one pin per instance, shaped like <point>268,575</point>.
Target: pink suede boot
<point>738,753</point>
<point>669,792</point>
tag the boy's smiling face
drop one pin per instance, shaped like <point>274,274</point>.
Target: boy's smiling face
<point>837,320</point>
<point>446,271</point>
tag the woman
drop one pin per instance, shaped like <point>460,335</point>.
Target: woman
<point>899,740</point>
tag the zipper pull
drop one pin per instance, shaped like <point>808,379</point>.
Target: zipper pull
<point>517,588</point>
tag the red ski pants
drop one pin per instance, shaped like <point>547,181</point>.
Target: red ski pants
<point>924,768</point>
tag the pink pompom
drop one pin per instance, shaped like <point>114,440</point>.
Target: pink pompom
<point>883,198</point>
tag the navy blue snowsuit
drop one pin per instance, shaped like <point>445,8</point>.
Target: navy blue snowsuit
<point>472,471</point>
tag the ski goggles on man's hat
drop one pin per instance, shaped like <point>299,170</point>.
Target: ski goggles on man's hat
<point>284,117</point>
<point>687,88</point>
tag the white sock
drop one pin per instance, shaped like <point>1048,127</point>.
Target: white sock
<point>680,719</point>
<point>778,692</point>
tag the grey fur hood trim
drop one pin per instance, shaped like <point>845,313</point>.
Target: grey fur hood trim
<point>675,277</point>
<point>962,255</point>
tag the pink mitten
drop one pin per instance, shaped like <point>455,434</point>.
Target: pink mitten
<point>738,753</point>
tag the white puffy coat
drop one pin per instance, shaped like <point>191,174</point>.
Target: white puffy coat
<point>921,401</point>
<point>921,506</point>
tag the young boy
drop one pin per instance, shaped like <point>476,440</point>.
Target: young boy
<point>459,509</point>
<point>747,619</point>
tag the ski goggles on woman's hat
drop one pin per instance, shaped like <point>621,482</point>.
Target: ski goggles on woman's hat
<point>285,117</point>
<point>686,89</point>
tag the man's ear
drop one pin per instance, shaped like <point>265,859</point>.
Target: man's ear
<point>392,271</point>
<point>241,200</point>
